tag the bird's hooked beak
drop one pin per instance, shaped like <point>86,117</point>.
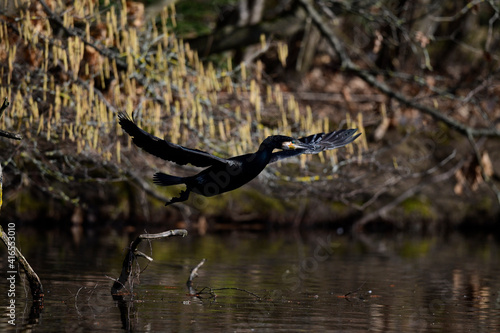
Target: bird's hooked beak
<point>292,145</point>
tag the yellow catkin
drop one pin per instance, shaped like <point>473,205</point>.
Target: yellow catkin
<point>46,53</point>
<point>326,125</point>
<point>172,15</point>
<point>243,71</point>
<point>48,131</point>
<point>362,130</point>
<point>303,161</point>
<point>40,125</point>
<point>11,58</point>
<point>253,92</point>
<point>123,14</point>
<point>282,53</point>
<point>95,139</point>
<point>237,113</point>
<point>258,108</point>
<point>227,126</point>
<point>33,107</point>
<point>228,84</point>
<point>130,64</point>
<point>211,128</point>
<point>296,114</point>
<point>71,132</point>
<point>269,94</point>
<point>321,157</point>
<point>291,103</point>
<point>309,119</point>
<point>259,69</point>
<point>222,133</point>
<point>213,98</point>
<point>118,152</point>
<point>237,149</point>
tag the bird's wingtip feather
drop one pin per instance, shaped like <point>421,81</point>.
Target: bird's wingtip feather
<point>123,116</point>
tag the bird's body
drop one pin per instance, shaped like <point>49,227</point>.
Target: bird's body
<point>223,175</point>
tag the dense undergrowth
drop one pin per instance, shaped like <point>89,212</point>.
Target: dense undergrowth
<point>68,67</point>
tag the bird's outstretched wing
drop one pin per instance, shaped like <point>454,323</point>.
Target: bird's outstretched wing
<point>319,142</point>
<point>167,150</point>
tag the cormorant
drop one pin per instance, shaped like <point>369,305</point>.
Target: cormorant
<point>223,175</point>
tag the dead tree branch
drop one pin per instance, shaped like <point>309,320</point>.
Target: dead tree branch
<point>348,65</point>
<point>33,279</point>
<point>9,241</point>
<point>132,253</point>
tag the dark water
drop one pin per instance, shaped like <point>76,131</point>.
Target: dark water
<point>280,282</point>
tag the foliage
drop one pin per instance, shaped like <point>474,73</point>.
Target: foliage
<point>68,68</point>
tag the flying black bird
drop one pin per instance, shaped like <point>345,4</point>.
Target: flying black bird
<point>223,175</point>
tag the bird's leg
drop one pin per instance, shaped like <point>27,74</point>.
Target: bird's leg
<point>184,195</point>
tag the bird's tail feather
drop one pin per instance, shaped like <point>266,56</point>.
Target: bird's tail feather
<point>163,179</point>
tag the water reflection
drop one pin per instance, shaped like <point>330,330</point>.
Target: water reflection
<point>314,281</point>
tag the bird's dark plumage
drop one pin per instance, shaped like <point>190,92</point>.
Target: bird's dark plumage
<point>223,175</point>
<point>167,150</point>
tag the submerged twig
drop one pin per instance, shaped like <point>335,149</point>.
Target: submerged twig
<point>194,273</point>
<point>211,291</point>
<point>238,289</point>
<point>354,291</point>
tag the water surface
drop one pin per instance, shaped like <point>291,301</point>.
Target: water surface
<point>263,282</point>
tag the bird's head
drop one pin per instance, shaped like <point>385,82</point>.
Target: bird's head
<point>284,142</point>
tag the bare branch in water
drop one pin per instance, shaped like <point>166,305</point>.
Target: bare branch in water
<point>194,273</point>
<point>132,253</point>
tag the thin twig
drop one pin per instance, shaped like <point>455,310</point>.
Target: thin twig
<point>382,211</point>
<point>355,291</point>
<point>348,65</point>
<point>238,289</point>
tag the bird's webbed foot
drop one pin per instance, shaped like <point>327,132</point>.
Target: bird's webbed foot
<point>184,195</point>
